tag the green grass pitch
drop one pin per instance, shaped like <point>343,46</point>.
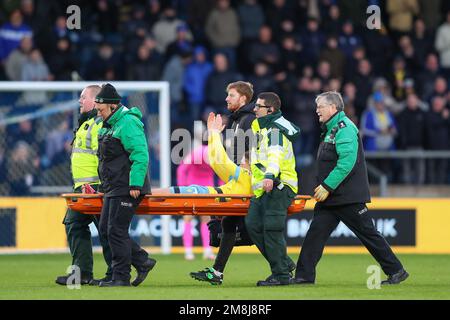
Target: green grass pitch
<point>339,277</point>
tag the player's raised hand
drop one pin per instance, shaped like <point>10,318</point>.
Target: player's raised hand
<point>219,123</point>
<point>215,123</point>
<point>210,121</point>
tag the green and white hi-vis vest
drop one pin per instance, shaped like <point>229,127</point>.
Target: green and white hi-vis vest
<point>84,160</point>
<point>272,155</point>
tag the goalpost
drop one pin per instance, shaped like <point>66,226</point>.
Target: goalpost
<point>161,87</point>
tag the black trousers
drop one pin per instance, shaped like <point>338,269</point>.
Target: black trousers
<point>115,220</point>
<point>229,225</point>
<point>355,217</point>
<point>80,243</point>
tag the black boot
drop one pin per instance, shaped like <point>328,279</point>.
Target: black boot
<point>96,282</point>
<point>142,271</point>
<point>62,280</point>
<point>115,283</point>
<point>396,278</point>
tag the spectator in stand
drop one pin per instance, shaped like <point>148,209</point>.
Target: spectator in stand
<point>105,64</point>
<point>264,50</point>
<point>349,40</point>
<point>135,31</point>
<point>363,81</point>
<point>55,142</point>
<point>401,14</point>
<point>62,61</point>
<point>147,64</point>
<point>35,68</point>
<point>312,41</point>
<point>251,19</point>
<point>195,77</point>
<point>354,11</point>
<point>198,12</point>
<point>152,13</point>
<point>12,32</point>
<point>351,64</point>
<point>409,90</point>
<point>16,60</point>
<point>174,74</point>
<point>426,79</point>
<point>107,18</point>
<point>262,78</point>
<point>437,138</point>
<point>333,22</point>
<point>60,30</point>
<point>323,71</point>
<point>399,74</point>
<point>223,31</point>
<point>440,88</point>
<point>30,16</point>
<point>278,11</point>
<point>422,40</point>
<point>378,131</point>
<point>382,85</point>
<point>379,46</point>
<point>378,126</point>
<point>22,166</point>
<point>334,56</point>
<point>334,84</point>
<point>290,51</point>
<point>217,80</point>
<point>431,13</point>
<point>442,45</point>
<point>409,54</point>
<point>349,96</point>
<point>181,43</point>
<point>165,29</point>
<point>412,137</point>
<point>60,162</point>
<point>22,132</point>
<point>303,113</point>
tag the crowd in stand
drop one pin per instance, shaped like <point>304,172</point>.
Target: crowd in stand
<point>394,79</point>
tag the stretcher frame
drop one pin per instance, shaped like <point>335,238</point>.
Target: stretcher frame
<point>180,204</point>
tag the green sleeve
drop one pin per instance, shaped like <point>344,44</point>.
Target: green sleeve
<point>135,143</point>
<point>347,151</point>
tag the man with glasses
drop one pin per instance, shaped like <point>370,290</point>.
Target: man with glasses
<point>342,194</point>
<point>274,184</point>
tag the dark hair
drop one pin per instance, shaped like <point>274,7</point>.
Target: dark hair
<point>271,99</point>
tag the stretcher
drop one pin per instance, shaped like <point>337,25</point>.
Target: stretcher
<point>180,204</point>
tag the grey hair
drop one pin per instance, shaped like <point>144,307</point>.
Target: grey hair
<point>332,97</point>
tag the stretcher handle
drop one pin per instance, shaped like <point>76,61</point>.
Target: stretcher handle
<point>178,195</point>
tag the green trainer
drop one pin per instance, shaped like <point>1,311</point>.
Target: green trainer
<point>209,275</point>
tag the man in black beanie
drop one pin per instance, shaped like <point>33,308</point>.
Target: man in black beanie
<point>123,170</point>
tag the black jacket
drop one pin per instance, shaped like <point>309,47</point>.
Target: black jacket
<point>412,128</point>
<point>350,183</point>
<point>241,119</point>
<point>437,131</point>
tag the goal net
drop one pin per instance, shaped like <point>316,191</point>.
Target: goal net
<point>36,130</point>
